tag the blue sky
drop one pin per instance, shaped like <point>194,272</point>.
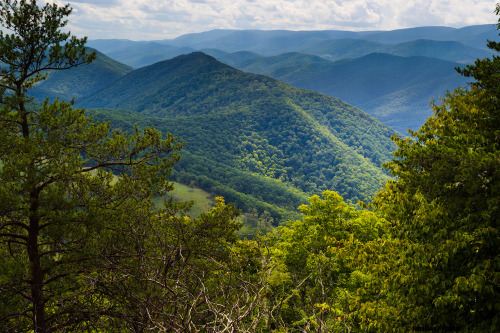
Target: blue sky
<point>163,19</point>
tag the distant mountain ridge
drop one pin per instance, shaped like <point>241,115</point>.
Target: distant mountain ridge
<point>295,57</point>
<point>337,49</point>
<point>471,39</point>
<point>396,90</point>
<point>272,42</point>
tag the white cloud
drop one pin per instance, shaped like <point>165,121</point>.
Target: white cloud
<point>160,19</point>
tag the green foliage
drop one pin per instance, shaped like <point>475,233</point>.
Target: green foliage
<point>82,245</point>
<point>314,282</point>
<point>439,269</point>
<point>60,204</point>
<point>244,175</point>
<point>171,272</point>
<point>259,129</point>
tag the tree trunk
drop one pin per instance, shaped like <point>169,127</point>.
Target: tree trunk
<point>38,300</point>
<point>36,279</point>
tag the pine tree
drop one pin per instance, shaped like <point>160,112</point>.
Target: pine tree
<point>61,204</point>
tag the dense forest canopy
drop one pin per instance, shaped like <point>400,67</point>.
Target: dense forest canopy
<point>84,248</point>
<point>250,135</point>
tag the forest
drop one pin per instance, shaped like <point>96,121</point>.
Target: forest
<point>85,247</point>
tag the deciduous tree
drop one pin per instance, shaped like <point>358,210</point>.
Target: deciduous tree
<point>313,283</point>
<point>440,267</point>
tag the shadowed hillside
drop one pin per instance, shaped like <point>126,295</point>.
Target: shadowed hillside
<point>396,90</point>
<point>81,80</point>
<point>250,137</point>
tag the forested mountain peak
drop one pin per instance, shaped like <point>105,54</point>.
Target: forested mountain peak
<point>187,64</point>
<point>269,52</point>
<point>277,136</point>
<point>137,89</point>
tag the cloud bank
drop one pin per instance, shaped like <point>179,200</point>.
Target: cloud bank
<point>163,19</point>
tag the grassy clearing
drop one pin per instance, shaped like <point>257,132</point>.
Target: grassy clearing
<point>202,200</point>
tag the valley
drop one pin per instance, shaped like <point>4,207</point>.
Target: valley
<point>253,137</point>
<point>258,142</point>
<point>247,180</point>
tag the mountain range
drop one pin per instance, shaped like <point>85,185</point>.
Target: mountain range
<point>259,142</point>
<point>396,90</point>
<point>267,131</point>
<point>272,42</point>
<point>460,45</point>
<point>254,123</point>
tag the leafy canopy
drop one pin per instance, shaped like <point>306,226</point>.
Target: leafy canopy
<point>444,213</point>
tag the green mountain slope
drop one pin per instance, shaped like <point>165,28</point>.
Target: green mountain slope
<point>249,137</point>
<point>395,90</point>
<point>81,80</point>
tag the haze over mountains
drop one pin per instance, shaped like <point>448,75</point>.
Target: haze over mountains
<point>389,87</point>
<point>459,45</point>
<point>396,90</point>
